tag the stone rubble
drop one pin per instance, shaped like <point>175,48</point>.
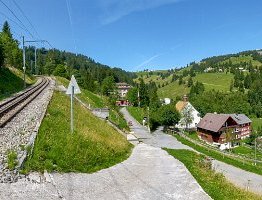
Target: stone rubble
<point>19,134</point>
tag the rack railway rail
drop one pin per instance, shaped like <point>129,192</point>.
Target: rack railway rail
<point>10,108</point>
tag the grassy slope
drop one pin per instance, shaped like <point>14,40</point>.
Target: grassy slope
<point>216,81</point>
<point>173,90</point>
<point>97,101</point>
<point>11,81</point>
<point>93,146</point>
<point>214,184</point>
<point>242,59</point>
<point>154,78</point>
<point>85,95</point>
<point>248,152</point>
<point>256,122</point>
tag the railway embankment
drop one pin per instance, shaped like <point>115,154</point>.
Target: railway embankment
<point>17,136</point>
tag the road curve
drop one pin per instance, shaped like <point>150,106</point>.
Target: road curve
<point>149,173</point>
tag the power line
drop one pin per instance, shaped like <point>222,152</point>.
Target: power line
<point>19,8</point>
<point>14,22</point>
<point>17,18</point>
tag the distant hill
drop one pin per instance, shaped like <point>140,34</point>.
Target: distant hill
<point>217,72</point>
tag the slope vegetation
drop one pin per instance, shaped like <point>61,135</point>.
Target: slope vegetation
<point>11,81</point>
<point>94,145</point>
<point>211,81</point>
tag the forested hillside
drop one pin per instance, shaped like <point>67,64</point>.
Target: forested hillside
<point>90,74</point>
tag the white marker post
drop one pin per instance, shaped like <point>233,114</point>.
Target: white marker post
<point>72,89</point>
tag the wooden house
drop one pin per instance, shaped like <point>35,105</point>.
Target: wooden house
<point>223,128</point>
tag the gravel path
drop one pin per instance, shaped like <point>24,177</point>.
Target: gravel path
<point>239,177</point>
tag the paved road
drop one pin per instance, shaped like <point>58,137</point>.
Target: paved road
<point>156,139</point>
<point>239,177</point>
<point>233,174</point>
<point>149,173</point>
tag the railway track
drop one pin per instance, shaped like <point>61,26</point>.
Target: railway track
<point>9,109</point>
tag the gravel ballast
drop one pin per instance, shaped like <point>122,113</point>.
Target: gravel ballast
<point>20,133</point>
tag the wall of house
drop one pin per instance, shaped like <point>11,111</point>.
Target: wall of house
<point>243,131</point>
<point>196,118</point>
<point>210,136</point>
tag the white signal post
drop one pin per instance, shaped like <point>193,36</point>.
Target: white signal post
<point>72,89</point>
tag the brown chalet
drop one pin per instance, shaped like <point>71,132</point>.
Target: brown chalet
<point>213,127</point>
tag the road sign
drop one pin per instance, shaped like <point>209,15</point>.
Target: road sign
<point>73,87</point>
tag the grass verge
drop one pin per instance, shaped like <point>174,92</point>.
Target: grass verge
<point>117,118</point>
<point>88,97</point>
<point>137,112</point>
<point>219,156</point>
<point>94,145</point>
<point>12,160</point>
<point>214,184</point>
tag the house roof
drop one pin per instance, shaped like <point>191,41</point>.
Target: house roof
<point>213,122</point>
<point>241,118</point>
<point>123,86</point>
<point>180,105</point>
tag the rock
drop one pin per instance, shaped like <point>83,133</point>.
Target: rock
<point>47,177</point>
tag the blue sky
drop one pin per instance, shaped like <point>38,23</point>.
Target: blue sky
<point>139,34</point>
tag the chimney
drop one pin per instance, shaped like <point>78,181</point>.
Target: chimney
<point>185,98</point>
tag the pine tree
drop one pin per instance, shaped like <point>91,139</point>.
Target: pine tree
<point>2,56</point>
<point>190,82</point>
<point>180,80</point>
<point>6,29</point>
<point>247,81</point>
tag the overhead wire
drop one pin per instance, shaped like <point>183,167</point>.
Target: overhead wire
<point>21,25</point>
<point>17,18</point>
<point>10,19</point>
<point>20,9</point>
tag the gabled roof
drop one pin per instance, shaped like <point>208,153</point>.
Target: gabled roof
<point>213,122</point>
<point>180,105</point>
<point>241,118</point>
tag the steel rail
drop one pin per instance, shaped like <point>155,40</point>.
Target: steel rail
<point>9,110</point>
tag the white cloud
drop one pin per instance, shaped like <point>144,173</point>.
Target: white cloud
<point>147,61</point>
<point>116,9</point>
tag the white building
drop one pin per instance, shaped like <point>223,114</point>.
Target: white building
<point>186,108</point>
<point>123,89</point>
